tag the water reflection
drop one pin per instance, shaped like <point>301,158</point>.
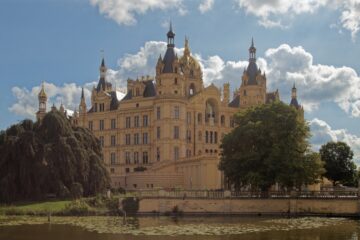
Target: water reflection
<point>159,228</point>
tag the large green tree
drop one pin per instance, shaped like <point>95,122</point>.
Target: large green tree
<point>269,145</point>
<point>339,165</point>
<point>49,157</point>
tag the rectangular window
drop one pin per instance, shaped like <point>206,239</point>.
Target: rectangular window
<point>127,158</point>
<point>176,153</point>
<point>145,120</point>
<point>136,139</point>
<point>176,132</point>
<point>145,158</point>
<point>215,137</point>
<point>102,107</point>
<point>158,133</point>
<point>101,125</point>
<point>112,158</point>
<point>128,122</point>
<point>211,137</point>
<point>176,112</point>
<point>136,157</point>
<point>91,125</point>
<point>145,138</point>
<point>158,154</point>
<point>113,123</point>
<point>188,117</point>
<point>158,113</point>
<point>113,140</point>
<point>127,139</point>
<point>101,138</point>
<point>206,136</point>
<point>188,136</point>
<point>136,121</point>
<point>95,107</point>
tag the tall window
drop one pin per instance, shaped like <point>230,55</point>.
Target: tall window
<point>176,132</point>
<point>136,157</point>
<point>127,139</point>
<point>95,107</point>
<point>206,136</point>
<point>176,112</point>
<point>145,158</point>
<point>127,158</point>
<point>101,125</point>
<point>199,136</point>
<point>158,154</point>
<point>215,137</point>
<point>176,81</point>
<point>145,120</point>
<point>113,140</point>
<point>136,139</point>
<point>112,158</point>
<point>145,138</point>
<point>222,120</point>
<point>136,121</point>
<point>211,137</point>
<point>128,122</point>
<point>101,138</point>
<point>91,125</point>
<point>113,123</point>
<point>188,136</point>
<point>199,118</point>
<point>158,133</point>
<point>188,117</point>
<point>101,107</point>
<point>158,113</point>
<point>176,153</point>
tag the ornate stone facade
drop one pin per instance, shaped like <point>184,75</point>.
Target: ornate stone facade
<point>166,131</point>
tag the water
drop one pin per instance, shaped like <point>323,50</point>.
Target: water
<point>159,228</point>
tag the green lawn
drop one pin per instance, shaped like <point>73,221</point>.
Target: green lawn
<point>35,208</point>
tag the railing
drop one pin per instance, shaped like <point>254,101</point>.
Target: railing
<point>212,194</point>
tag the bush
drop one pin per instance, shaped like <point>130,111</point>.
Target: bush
<point>77,190</point>
<point>77,208</point>
<point>130,205</point>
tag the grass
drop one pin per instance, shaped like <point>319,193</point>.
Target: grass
<point>37,208</point>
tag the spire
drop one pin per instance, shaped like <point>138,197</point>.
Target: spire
<point>252,51</point>
<point>294,101</point>
<point>170,35</point>
<point>186,47</point>
<point>42,93</point>
<point>293,92</point>
<point>103,85</point>
<point>82,93</point>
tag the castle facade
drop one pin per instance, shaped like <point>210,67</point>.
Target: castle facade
<point>167,130</point>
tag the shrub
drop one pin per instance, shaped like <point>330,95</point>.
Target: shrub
<point>77,208</point>
<point>130,205</point>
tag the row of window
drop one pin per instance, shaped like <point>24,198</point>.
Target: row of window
<point>102,124</point>
<point>136,138</point>
<point>136,123</point>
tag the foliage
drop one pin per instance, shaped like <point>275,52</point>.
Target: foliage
<point>130,205</point>
<point>339,166</point>
<point>269,145</point>
<point>38,208</point>
<point>77,208</point>
<point>77,190</point>
<point>48,157</point>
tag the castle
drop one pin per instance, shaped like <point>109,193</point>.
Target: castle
<point>167,130</point>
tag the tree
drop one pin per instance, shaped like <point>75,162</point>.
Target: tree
<point>48,157</point>
<point>269,145</point>
<point>339,166</point>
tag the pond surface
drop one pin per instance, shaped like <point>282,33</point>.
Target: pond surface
<point>159,228</point>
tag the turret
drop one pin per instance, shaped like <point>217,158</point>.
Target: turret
<point>82,105</point>
<point>42,98</point>
<point>103,85</point>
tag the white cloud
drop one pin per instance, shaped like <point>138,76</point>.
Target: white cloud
<point>206,5</point>
<point>125,11</point>
<point>278,13</point>
<point>323,133</point>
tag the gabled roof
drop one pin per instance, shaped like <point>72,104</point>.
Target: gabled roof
<point>149,91</point>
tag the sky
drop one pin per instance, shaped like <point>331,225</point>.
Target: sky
<point>312,43</point>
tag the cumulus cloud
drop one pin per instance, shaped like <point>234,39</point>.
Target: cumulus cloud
<point>323,133</point>
<point>277,13</point>
<point>124,11</point>
<point>206,5</point>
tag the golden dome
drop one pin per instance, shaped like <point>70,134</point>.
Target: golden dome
<point>187,59</point>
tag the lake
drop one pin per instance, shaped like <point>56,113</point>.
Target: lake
<point>159,228</point>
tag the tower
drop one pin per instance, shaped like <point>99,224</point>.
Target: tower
<point>82,110</point>
<point>42,97</point>
<point>294,102</point>
<point>103,85</point>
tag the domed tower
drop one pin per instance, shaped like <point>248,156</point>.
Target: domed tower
<point>253,86</point>
<point>42,97</point>
<point>191,70</point>
<point>169,79</point>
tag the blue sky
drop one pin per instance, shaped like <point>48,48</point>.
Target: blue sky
<point>313,43</point>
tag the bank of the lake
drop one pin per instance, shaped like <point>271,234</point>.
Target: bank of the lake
<point>161,228</point>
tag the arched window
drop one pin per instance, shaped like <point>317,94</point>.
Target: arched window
<point>211,108</point>
<point>192,89</point>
